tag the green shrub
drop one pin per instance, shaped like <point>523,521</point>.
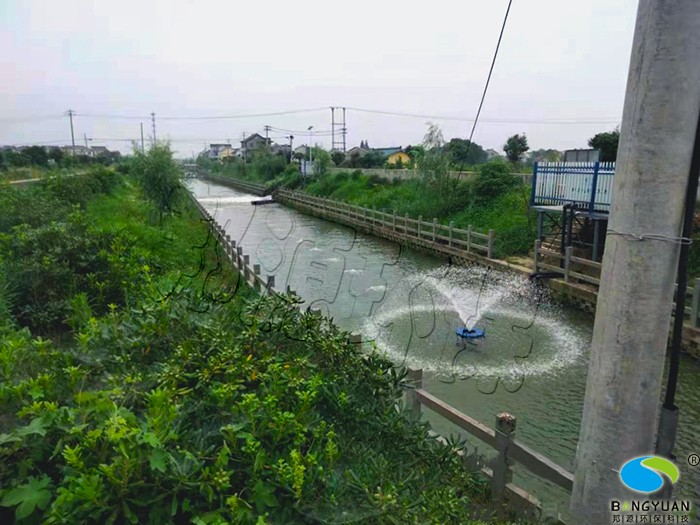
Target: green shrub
<point>494,178</point>
<point>46,266</point>
<point>267,166</point>
<point>160,177</point>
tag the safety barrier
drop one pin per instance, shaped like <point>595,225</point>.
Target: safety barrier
<point>502,440</point>
<point>439,235</point>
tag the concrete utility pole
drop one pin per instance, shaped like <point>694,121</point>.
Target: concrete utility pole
<point>659,121</point>
<point>85,137</point>
<point>153,123</point>
<point>143,148</point>
<point>267,134</point>
<point>72,135</point>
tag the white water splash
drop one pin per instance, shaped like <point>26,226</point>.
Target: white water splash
<point>240,199</point>
<point>416,326</point>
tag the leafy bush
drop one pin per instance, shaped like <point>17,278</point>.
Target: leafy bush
<point>159,176</point>
<point>494,178</point>
<point>267,166</point>
<point>46,266</point>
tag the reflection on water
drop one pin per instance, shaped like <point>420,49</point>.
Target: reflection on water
<point>531,363</point>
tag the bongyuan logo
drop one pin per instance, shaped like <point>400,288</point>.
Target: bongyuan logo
<point>648,473</point>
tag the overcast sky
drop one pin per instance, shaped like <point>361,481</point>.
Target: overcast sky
<point>559,59</point>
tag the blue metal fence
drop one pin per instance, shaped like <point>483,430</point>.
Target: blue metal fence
<point>587,184</point>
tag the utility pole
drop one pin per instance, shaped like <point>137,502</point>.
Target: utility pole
<point>337,145</point>
<point>143,149</point>
<point>267,134</point>
<point>85,137</point>
<point>345,132</point>
<point>310,155</point>
<point>291,138</point>
<point>660,117</point>
<point>72,135</point>
<point>245,149</point>
<point>332,128</point>
<point>153,124</point>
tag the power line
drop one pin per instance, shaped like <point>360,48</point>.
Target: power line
<point>30,118</point>
<point>248,115</point>
<point>488,79</point>
<point>487,119</point>
<point>495,120</point>
<point>486,88</point>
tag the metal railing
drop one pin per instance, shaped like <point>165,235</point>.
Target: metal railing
<point>502,439</point>
<point>589,185</point>
<point>447,235</point>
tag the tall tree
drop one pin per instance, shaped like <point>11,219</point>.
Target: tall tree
<point>463,151</point>
<point>37,155</point>
<point>56,154</point>
<point>337,157</point>
<point>607,143</point>
<point>433,139</point>
<point>371,159</point>
<point>322,160</point>
<point>515,147</point>
<point>434,166</point>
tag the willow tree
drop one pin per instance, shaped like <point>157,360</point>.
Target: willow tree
<point>434,166</point>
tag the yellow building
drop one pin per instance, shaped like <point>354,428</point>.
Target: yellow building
<point>227,153</point>
<point>397,156</point>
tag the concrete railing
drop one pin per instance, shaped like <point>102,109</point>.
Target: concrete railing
<point>235,255</point>
<point>502,439</point>
<point>468,240</point>
<point>565,263</point>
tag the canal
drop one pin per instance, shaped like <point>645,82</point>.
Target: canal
<point>531,363</point>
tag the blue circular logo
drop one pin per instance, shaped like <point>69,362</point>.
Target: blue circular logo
<point>644,474</point>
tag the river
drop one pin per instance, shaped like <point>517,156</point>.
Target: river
<point>532,362</point>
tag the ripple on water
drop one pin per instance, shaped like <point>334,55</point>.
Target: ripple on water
<point>415,326</point>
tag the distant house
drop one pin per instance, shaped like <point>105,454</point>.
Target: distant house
<point>253,142</point>
<point>280,149</point>
<point>302,150</point>
<point>358,151</point>
<point>492,154</point>
<point>388,151</point>
<point>227,153</point>
<point>99,151</point>
<point>399,157</point>
<point>76,150</point>
<point>582,155</point>
<point>215,150</point>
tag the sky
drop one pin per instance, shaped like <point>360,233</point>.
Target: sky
<point>115,63</point>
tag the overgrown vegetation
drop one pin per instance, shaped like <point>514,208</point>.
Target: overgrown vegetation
<point>169,393</point>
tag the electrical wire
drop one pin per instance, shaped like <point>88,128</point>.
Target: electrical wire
<point>488,81</point>
<point>209,117</point>
<point>493,120</point>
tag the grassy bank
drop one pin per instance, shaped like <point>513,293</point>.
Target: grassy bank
<point>493,199</point>
<point>157,390</point>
